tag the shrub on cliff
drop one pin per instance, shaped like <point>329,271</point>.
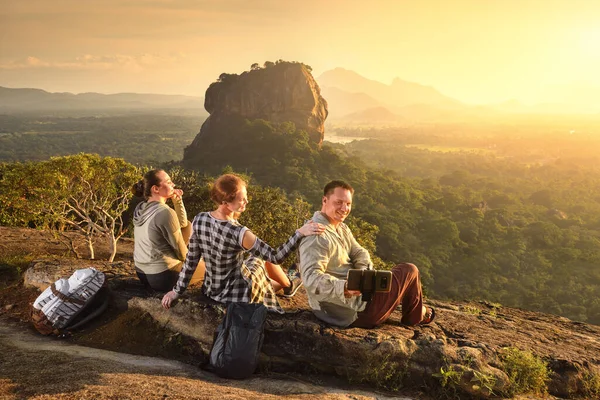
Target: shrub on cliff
<point>84,193</point>
<point>526,372</point>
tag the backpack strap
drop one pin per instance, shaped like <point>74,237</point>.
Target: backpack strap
<point>64,297</point>
<point>41,323</point>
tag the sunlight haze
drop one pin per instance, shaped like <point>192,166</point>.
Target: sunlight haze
<point>474,51</point>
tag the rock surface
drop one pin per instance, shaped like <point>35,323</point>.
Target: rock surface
<point>467,338</point>
<point>280,93</point>
<point>29,370</point>
<point>42,273</point>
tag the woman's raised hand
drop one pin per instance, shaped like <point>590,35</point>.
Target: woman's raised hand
<point>312,228</point>
<point>177,194</point>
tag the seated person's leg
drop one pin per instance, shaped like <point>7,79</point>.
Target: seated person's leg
<point>198,276</point>
<point>142,277</point>
<point>411,293</point>
<point>161,282</point>
<point>406,288</point>
<point>279,278</point>
<point>379,308</point>
<point>276,286</point>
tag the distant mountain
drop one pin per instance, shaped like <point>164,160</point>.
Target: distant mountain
<point>13,99</point>
<point>399,93</point>
<point>341,102</point>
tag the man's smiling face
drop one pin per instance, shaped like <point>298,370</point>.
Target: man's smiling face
<point>337,205</point>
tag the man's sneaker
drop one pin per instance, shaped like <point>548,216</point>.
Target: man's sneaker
<point>294,277</point>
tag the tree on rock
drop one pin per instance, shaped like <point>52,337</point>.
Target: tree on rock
<point>83,193</point>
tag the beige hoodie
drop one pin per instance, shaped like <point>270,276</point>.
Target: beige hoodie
<point>158,244</point>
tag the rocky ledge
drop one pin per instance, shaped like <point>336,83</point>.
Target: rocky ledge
<point>473,349</point>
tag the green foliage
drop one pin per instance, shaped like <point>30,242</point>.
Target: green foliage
<point>366,235</point>
<point>382,373</point>
<point>477,235</point>
<point>13,266</point>
<point>506,213</point>
<point>84,192</point>
<point>471,310</point>
<point>450,378</point>
<point>453,378</point>
<point>270,64</point>
<point>138,138</point>
<point>483,382</point>
<point>228,78</point>
<point>272,217</point>
<point>590,385</point>
<point>526,372</point>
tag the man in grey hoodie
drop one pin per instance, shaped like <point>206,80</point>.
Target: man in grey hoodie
<point>160,233</point>
<point>326,259</point>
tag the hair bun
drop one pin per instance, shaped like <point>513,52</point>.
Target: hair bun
<point>138,188</point>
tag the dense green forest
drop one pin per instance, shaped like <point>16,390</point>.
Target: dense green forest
<point>505,213</point>
<point>139,138</point>
<point>522,230</point>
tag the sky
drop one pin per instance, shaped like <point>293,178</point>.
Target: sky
<point>477,51</point>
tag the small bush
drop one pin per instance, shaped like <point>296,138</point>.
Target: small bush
<point>590,385</point>
<point>483,382</point>
<point>450,379</point>
<point>449,376</point>
<point>13,266</point>
<point>384,374</point>
<point>526,372</point>
<point>471,310</point>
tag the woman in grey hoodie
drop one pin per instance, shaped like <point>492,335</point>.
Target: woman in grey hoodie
<point>161,234</point>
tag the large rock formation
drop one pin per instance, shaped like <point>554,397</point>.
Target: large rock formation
<point>279,93</point>
<point>459,356</point>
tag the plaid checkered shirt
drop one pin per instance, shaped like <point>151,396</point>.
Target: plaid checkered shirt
<point>231,276</point>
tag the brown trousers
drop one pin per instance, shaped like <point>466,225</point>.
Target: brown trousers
<point>406,288</point>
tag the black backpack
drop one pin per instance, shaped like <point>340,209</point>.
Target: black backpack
<point>238,340</point>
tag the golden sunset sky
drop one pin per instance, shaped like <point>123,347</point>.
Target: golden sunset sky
<point>477,51</point>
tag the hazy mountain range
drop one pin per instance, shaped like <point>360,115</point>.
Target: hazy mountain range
<point>399,93</point>
<point>354,98</point>
<point>351,98</point>
<point>37,99</point>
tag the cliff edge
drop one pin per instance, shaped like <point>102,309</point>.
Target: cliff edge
<point>472,350</point>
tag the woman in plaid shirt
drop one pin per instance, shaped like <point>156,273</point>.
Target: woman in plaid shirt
<point>222,242</point>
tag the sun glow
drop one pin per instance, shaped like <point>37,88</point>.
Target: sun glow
<point>589,43</point>
<point>478,52</point>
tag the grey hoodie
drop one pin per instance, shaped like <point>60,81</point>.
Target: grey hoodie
<point>158,244</point>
